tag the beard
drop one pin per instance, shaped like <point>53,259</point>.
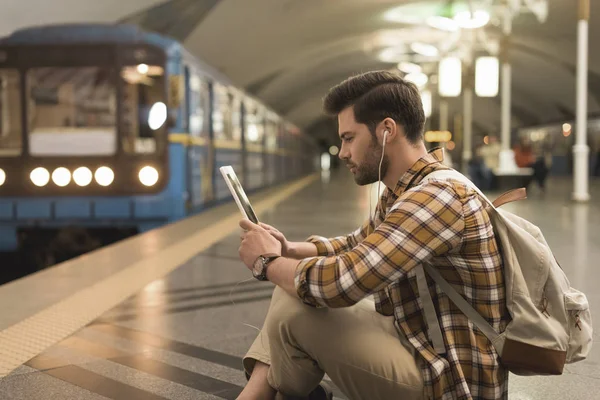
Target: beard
<point>368,172</point>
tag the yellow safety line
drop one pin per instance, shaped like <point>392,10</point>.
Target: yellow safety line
<point>32,336</point>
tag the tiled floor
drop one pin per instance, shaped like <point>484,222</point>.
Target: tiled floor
<point>183,336</point>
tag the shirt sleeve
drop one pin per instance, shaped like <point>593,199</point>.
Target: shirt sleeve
<point>424,222</point>
<point>340,244</point>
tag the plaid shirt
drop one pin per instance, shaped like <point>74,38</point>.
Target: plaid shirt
<point>443,223</point>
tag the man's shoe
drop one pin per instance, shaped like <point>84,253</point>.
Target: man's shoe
<point>321,392</point>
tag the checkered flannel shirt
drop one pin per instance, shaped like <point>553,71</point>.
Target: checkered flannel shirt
<point>443,223</point>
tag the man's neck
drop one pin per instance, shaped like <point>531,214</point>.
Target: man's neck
<point>398,165</point>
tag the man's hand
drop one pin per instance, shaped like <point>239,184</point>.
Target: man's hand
<point>285,245</point>
<point>256,241</point>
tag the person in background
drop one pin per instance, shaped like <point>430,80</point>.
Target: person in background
<point>526,158</point>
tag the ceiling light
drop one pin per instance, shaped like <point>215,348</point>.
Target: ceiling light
<point>442,23</point>
<point>409,68</point>
<point>468,20</point>
<point>418,78</point>
<point>424,49</point>
<point>393,54</point>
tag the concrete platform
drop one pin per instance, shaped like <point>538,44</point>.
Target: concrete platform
<point>183,335</point>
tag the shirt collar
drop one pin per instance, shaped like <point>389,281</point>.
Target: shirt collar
<point>419,170</point>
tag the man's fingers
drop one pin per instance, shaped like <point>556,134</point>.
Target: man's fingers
<point>268,227</point>
<point>247,225</point>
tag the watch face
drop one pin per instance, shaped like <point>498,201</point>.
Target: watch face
<point>258,266</point>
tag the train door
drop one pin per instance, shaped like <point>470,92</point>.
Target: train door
<point>199,155</point>
<point>254,132</point>
<point>227,125</point>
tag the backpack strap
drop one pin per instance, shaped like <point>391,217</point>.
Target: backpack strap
<point>457,299</point>
<point>510,196</point>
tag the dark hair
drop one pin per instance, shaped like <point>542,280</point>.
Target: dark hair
<point>378,95</point>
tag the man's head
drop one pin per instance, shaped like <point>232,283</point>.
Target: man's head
<point>367,106</point>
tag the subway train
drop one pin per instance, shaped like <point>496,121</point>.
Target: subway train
<point>107,131</point>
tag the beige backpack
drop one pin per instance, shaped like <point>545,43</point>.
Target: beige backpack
<point>551,322</point>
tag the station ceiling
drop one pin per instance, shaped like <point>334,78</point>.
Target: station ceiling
<point>290,52</point>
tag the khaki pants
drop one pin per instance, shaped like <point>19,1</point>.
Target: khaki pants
<point>359,349</point>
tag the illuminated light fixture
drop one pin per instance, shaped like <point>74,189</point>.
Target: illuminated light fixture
<point>143,69</point>
<point>409,68</point>
<point>468,20</point>
<point>442,23</point>
<point>40,176</point>
<point>450,77</point>
<point>403,14</point>
<point>438,136</point>
<point>2,177</point>
<point>333,150</point>
<point>157,116</point>
<point>427,104</point>
<point>325,162</point>
<point>104,176</point>
<point>487,76</point>
<point>418,78</point>
<point>82,176</point>
<point>252,133</point>
<point>566,127</point>
<point>393,54</point>
<point>61,176</point>
<point>424,49</point>
<point>148,176</point>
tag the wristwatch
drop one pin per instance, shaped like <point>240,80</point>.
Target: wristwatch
<point>259,269</point>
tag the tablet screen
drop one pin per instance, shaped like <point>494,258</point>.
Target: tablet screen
<point>238,192</point>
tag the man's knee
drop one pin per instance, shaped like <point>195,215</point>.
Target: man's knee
<point>284,313</point>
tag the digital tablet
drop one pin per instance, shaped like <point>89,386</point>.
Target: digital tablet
<point>235,187</point>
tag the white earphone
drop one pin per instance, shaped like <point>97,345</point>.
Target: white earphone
<point>371,213</point>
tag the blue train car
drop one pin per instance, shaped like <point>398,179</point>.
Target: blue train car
<point>110,129</point>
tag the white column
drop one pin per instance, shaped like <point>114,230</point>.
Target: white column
<point>507,158</point>
<point>443,115</point>
<point>468,124</point>
<point>581,149</point>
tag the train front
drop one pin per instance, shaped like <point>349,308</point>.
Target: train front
<point>83,140</point>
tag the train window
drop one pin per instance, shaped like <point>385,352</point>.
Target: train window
<point>254,124</point>
<point>10,113</point>
<point>71,111</point>
<point>144,108</point>
<point>198,107</point>
<point>272,133</point>
<point>236,117</point>
<point>222,111</point>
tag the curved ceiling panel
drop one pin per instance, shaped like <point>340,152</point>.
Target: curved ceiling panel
<point>26,13</point>
<point>290,52</point>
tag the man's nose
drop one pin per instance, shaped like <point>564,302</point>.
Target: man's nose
<point>344,153</point>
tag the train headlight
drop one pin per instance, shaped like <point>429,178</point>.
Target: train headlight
<point>2,177</point>
<point>40,176</point>
<point>148,176</point>
<point>104,176</point>
<point>157,116</point>
<point>61,176</point>
<point>82,176</point>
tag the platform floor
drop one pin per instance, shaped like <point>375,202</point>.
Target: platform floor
<point>183,335</point>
